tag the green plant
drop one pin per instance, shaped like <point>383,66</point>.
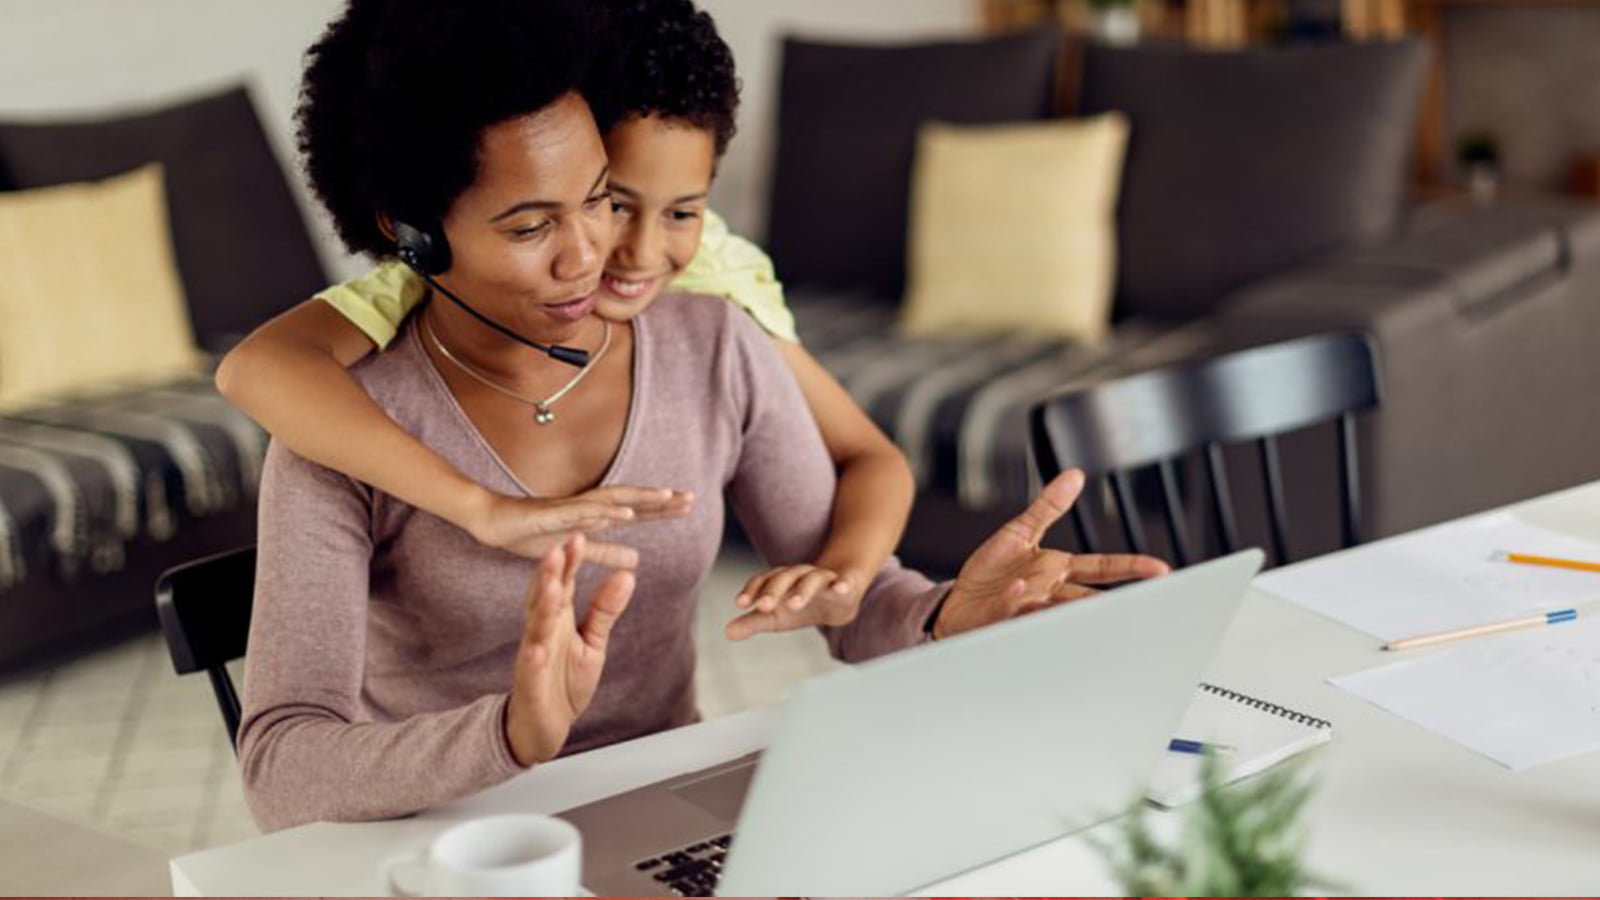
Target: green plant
<point>1246,841</point>
<point>1477,147</point>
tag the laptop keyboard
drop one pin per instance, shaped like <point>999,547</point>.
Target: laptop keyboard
<point>691,871</point>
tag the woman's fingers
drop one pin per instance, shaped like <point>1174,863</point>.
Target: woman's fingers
<point>1053,502</point>
<point>1040,579</point>
<point>545,601</point>
<point>605,608</point>
<point>1105,568</point>
<point>574,558</point>
<point>1069,592</point>
<point>1064,594</point>
<point>612,556</point>
<point>751,624</point>
<point>550,565</point>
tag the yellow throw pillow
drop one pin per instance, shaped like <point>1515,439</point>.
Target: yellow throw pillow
<point>1013,227</point>
<point>90,296</point>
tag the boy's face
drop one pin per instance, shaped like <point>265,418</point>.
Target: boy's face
<point>661,171</point>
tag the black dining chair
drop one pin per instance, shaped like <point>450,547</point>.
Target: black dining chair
<point>1154,421</point>
<point>204,608</point>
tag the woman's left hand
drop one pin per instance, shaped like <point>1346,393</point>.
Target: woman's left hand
<point>799,596</point>
<point>1010,574</point>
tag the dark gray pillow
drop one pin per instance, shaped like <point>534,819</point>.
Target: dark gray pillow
<point>1244,163</point>
<point>847,124</point>
<point>242,247</point>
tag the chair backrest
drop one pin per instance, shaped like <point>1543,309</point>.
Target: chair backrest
<point>1155,419</point>
<point>204,608</point>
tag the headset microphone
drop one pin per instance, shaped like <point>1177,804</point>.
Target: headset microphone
<point>427,252</point>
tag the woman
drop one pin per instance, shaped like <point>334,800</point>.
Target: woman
<point>395,663</point>
<point>668,97</point>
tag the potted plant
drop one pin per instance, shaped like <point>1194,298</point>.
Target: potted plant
<point>1245,841</point>
<point>1479,155</point>
<point>1115,22</point>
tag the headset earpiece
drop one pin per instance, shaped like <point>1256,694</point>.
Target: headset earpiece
<point>428,254</point>
<point>425,250</point>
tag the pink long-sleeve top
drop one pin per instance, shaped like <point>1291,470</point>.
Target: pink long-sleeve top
<point>382,638</point>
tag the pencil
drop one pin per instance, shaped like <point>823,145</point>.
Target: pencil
<point>1530,560</point>
<point>1554,617</point>
<point>1183,745</point>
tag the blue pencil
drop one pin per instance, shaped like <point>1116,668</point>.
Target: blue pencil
<point>1183,745</point>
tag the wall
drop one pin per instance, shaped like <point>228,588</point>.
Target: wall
<point>1530,75</point>
<point>755,30</point>
<point>90,56</point>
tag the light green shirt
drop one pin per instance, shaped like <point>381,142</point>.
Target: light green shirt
<point>726,265</point>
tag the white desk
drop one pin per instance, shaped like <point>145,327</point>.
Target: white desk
<point>1399,812</point>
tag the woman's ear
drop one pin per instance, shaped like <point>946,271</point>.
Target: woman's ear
<point>386,225</point>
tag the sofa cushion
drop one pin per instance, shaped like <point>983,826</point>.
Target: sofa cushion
<point>847,124</point>
<point>1013,227</point>
<point>90,295</point>
<point>242,246</point>
<point>1241,164</point>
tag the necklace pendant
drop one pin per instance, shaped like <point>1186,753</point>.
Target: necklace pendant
<point>543,415</point>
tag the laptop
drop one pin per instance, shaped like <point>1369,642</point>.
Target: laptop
<point>911,768</point>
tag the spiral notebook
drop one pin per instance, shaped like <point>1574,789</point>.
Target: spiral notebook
<point>1260,733</point>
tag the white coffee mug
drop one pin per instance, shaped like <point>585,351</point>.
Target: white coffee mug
<point>513,855</point>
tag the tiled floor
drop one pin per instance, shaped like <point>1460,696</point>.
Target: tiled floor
<point>118,743</point>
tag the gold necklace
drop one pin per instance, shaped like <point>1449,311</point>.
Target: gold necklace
<point>542,413</point>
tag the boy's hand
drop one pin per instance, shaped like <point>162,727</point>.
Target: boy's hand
<point>799,596</point>
<point>531,527</point>
<point>559,662</point>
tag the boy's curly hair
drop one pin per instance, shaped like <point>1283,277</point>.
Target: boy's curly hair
<point>397,94</point>
<point>665,58</point>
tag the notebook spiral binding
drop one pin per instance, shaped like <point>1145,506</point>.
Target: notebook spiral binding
<point>1270,708</point>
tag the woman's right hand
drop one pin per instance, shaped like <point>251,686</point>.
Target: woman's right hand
<point>558,664</point>
<point>531,526</point>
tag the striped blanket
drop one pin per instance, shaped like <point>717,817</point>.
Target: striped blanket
<point>81,477</point>
<point>958,406</point>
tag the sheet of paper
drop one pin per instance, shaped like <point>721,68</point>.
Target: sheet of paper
<point>1520,699</point>
<point>1440,578</point>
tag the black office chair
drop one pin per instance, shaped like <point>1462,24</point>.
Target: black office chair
<point>1155,420</point>
<point>204,607</point>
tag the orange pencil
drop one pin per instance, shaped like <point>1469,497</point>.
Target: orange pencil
<point>1553,562</point>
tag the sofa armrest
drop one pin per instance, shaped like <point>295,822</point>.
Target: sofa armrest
<point>1485,321</point>
<point>1452,266</point>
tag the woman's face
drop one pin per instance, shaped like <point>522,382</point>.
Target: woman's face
<point>661,171</point>
<point>530,236</point>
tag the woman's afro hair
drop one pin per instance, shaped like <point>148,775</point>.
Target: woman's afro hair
<point>397,94</point>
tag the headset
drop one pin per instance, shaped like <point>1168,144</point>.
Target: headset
<point>426,252</point>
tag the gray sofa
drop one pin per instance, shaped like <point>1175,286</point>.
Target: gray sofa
<point>1264,198</point>
<point>99,494</point>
